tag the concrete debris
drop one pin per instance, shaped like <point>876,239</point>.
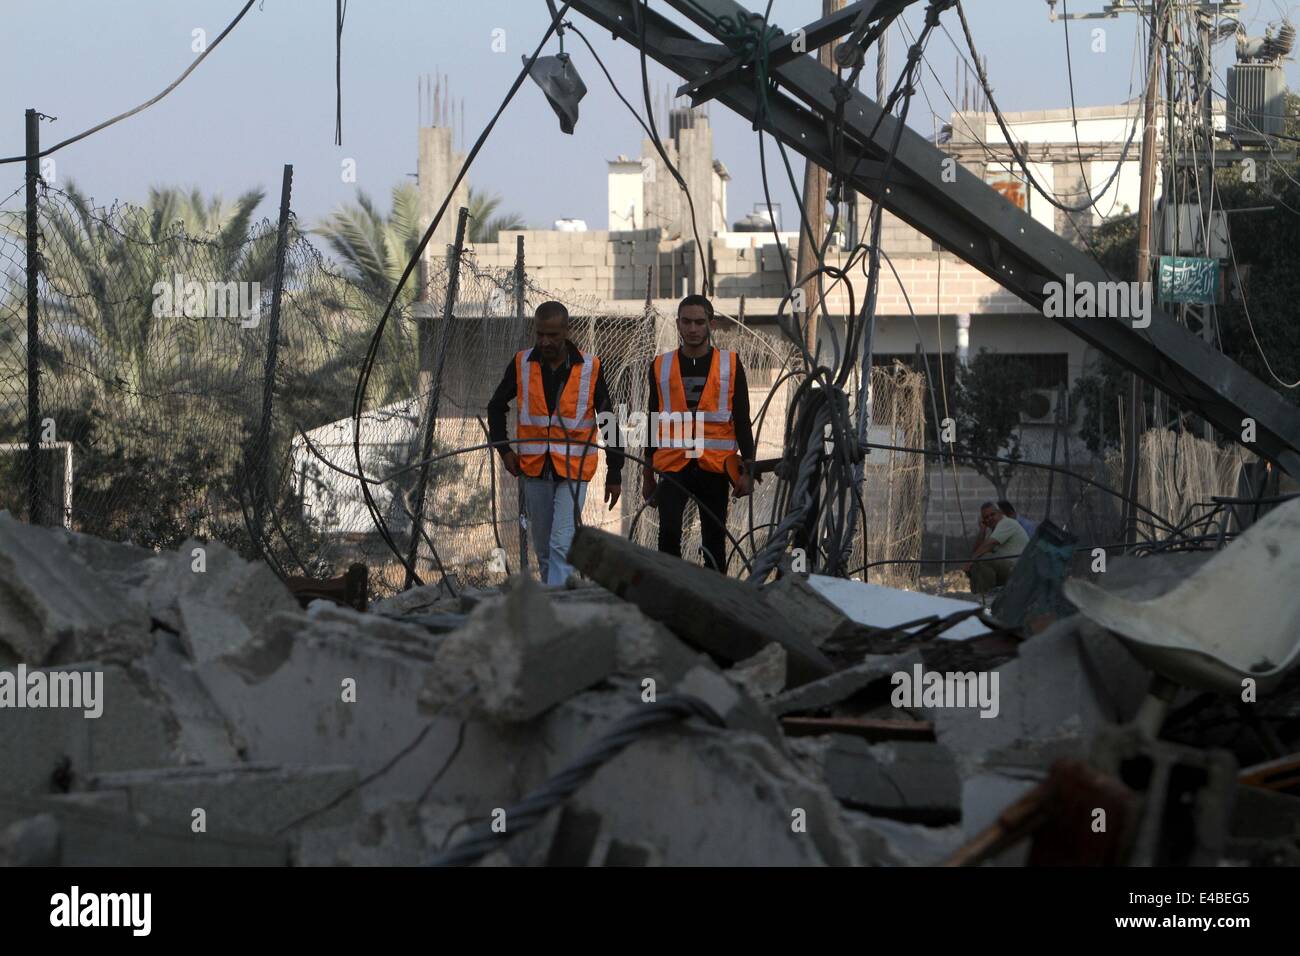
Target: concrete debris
<point>844,684</point>
<point>730,702</point>
<point>216,601</point>
<point>520,656</point>
<point>881,607</point>
<point>763,675</point>
<point>247,798</point>
<point>52,749</point>
<point>233,726</point>
<point>426,597</point>
<point>53,607</point>
<point>31,842</point>
<point>914,782</point>
<point>1065,685</point>
<point>714,613</point>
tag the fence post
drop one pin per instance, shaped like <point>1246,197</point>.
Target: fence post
<point>431,419</point>
<point>262,446</point>
<point>35,510</point>
<point>519,482</point>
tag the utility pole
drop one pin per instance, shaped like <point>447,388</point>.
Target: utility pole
<point>260,466</point>
<point>1132,439</point>
<point>35,509</point>
<point>430,381</point>
<point>521,278</point>
<point>814,198</point>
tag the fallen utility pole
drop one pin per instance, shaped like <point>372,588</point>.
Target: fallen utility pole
<point>966,217</point>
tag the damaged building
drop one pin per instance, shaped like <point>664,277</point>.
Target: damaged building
<point>659,716</point>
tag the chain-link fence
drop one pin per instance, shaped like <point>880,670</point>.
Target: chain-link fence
<point>164,413</point>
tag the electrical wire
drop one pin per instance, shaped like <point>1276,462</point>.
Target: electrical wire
<point>143,106</point>
<point>1006,132</point>
<point>373,351</point>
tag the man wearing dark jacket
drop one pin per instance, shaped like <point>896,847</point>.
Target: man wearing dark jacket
<point>707,385</point>
<point>558,390</point>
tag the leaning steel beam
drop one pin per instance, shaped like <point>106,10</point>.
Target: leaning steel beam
<point>965,216</point>
<point>812,37</point>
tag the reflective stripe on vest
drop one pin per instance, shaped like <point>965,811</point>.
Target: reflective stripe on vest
<point>555,433</point>
<point>713,413</point>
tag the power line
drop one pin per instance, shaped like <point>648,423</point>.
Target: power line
<point>1006,132</point>
<point>143,106</point>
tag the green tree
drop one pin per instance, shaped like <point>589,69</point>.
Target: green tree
<point>374,248</point>
<point>987,400</point>
<point>159,408</point>
<point>485,224</point>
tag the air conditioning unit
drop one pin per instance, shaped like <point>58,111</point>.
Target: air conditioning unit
<point>1256,101</point>
<point>1040,406</point>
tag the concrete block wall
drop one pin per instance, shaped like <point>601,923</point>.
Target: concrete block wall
<point>615,265</point>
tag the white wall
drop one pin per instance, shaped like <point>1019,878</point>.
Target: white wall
<point>624,195</point>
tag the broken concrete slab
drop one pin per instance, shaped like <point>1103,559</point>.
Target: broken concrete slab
<point>886,842</point>
<point>247,798</point>
<point>763,675</point>
<point>31,842</point>
<point>338,697</point>
<point>215,600</point>
<point>520,657</point>
<point>203,736</point>
<point>644,647</point>
<point>916,782</point>
<point>843,684</point>
<point>427,597</point>
<point>44,750</point>
<point>707,610</point>
<point>93,837</point>
<point>55,608</point>
<point>1066,684</point>
<point>794,597</point>
<point>737,710</point>
<point>874,605</point>
<point>698,795</point>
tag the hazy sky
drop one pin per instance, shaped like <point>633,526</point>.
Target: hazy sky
<point>266,95</point>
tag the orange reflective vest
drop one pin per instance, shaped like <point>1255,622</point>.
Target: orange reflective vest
<point>562,434</point>
<point>676,444</point>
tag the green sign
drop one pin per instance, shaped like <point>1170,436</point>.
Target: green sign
<point>1189,279</point>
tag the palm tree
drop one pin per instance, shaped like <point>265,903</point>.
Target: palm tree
<point>373,248</point>
<point>141,393</point>
<point>483,225</point>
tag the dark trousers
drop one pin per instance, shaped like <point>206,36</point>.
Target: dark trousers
<point>713,491</point>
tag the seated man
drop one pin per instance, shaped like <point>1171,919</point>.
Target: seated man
<point>1029,524</point>
<point>1000,544</point>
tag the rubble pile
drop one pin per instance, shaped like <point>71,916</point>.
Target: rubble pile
<point>235,726</point>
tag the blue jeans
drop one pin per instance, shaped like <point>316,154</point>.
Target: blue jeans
<point>552,515</point>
